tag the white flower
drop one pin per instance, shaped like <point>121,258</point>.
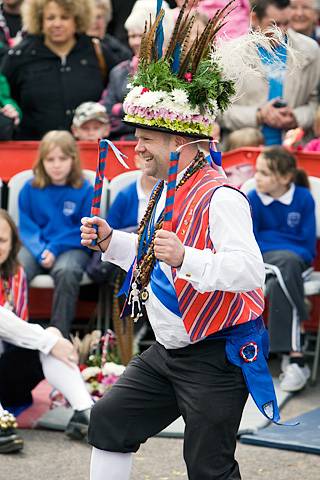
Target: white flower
<point>149,99</point>
<point>90,372</point>
<point>180,96</point>
<point>111,368</point>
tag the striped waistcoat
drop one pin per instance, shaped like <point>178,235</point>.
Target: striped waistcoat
<point>206,313</point>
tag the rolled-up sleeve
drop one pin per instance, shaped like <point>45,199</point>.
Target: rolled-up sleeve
<point>236,265</point>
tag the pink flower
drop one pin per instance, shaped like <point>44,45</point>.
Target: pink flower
<point>144,90</point>
<point>188,77</point>
<point>109,380</point>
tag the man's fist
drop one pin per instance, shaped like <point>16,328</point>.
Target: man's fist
<point>168,248</point>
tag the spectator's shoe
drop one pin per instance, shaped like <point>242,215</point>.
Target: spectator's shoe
<point>294,378</point>
<point>77,428</point>
<point>285,360</point>
<point>9,440</point>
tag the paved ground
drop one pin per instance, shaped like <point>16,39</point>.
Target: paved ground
<point>51,456</point>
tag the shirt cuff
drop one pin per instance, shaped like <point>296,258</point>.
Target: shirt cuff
<point>121,250</point>
<point>48,341</point>
<point>194,264</point>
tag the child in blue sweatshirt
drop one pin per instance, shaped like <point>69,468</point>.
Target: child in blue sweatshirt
<point>284,225</point>
<point>51,206</point>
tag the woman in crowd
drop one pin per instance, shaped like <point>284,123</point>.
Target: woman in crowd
<point>284,225</point>
<point>51,205</point>
<point>28,353</point>
<point>102,15</point>
<point>57,66</point>
<point>117,89</point>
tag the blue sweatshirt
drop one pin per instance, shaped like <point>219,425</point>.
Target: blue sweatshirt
<point>49,218</point>
<point>286,227</point>
<point>123,212</point>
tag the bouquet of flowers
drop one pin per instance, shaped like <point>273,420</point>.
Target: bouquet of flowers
<point>102,368</point>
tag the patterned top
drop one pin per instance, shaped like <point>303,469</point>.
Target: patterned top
<point>14,294</point>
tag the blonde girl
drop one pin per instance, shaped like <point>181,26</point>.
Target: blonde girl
<point>51,205</point>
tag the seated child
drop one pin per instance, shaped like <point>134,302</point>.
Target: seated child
<point>90,122</point>
<point>51,205</point>
<point>283,212</point>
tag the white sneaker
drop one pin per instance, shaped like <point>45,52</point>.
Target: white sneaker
<point>285,360</point>
<point>294,378</point>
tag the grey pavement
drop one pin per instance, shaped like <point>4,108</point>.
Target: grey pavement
<point>51,456</point>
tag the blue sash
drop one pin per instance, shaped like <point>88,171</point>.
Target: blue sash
<point>164,290</point>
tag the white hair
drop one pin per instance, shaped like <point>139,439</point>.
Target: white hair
<point>143,10</point>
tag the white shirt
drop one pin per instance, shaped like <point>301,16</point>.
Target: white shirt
<point>24,334</point>
<point>236,266</point>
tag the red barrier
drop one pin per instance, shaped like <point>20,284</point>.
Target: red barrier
<point>18,156</point>
<point>310,162</point>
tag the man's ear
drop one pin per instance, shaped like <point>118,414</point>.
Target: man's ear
<point>254,21</point>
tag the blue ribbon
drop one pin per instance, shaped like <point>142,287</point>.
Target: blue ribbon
<point>159,33</point>
<point>164,290</point>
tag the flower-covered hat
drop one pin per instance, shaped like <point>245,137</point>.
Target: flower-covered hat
<point>180,90</point>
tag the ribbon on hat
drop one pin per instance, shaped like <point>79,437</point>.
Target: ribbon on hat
<point>215,159</point>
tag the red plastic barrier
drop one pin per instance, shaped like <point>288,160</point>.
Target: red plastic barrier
<point>310,162</point>
<point>18,156</point>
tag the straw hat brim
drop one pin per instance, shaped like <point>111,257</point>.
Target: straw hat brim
<point>167,130</point>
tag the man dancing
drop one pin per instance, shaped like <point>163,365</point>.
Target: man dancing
<point>200,283</point>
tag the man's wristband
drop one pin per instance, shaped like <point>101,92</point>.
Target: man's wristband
<point>104,239</point>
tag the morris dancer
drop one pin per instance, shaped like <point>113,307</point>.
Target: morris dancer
<point>201,286</point>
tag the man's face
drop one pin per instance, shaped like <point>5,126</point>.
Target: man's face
<point>273,15</point>
<point>154,150</point>
<point>303,16</point>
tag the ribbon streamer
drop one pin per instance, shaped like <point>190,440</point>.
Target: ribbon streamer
<point>100,174</point>
<point>171,190</point>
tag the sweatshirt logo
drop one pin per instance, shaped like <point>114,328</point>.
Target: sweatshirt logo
<point>293,219</point>
<point>69,208</point>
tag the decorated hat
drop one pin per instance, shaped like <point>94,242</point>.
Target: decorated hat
<point>182,89</point>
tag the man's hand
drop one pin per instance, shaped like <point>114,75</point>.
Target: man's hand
<point>47,259</point>
<point>168,248</point>
<point>288,120</point>
<point>89,233</point>
<point>282,118</point>
<point>63,350</point>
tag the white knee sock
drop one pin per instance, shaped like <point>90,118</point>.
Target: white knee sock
<point>110,465</point>
<point>67,380</point>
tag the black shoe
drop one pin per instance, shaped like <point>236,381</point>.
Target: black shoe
<point>77,428</point>
<point>9,440</point>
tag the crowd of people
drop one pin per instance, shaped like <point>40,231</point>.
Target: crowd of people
<point>65,71</point>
